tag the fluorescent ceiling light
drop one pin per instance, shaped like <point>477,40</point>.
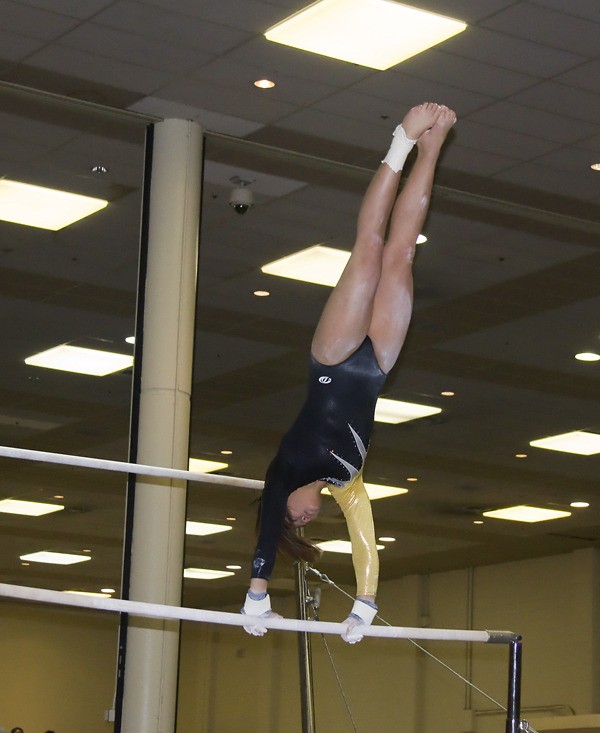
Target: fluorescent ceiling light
<point>320,265</point>
<point>199,465</point>
<point>342,546</point>
<point>524,513</point>
<point>88,593</point>
<point>45,208</point>
<point>377,491</point>
<point>374,33</point>
<point>579,442</point>
<point>587,356</point>
<point>396,411</point>
<point>79,360</point>
<point>28,508</point>
<point>202,529</point>
<point>55,558</point>
<point>205,574</point>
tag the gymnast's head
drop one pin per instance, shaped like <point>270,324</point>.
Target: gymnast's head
<point>304,504</point>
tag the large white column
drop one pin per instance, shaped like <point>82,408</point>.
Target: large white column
<point>152,654</point>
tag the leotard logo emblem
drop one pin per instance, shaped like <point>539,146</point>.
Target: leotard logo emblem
<point>325,380</point>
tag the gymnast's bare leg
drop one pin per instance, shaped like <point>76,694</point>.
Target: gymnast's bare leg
<point>374,294</point>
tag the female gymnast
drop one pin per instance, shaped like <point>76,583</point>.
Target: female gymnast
<point>356,343</point>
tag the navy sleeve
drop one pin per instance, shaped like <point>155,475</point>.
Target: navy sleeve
<point>272,517</point>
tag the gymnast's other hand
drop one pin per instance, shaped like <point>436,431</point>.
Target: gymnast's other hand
<point>362,614</point>
<point>258,604</point>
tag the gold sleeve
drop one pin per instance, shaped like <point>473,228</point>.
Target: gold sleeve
<point>356,506</point>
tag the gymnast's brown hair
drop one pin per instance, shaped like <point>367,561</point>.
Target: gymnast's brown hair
<point>291,544</point>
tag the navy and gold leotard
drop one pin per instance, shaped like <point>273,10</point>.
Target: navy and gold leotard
<point>327,442</point>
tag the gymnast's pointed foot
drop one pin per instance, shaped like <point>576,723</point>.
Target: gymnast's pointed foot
<point>420,118</point>
<point>432,139</point>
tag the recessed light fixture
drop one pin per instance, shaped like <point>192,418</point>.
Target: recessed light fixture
<point>44,208</point>
<point>342,546</point>
<point>231,519</point>
<point>226,452</point>
<point>55,558</point>
<point>233,567</point>
<point>99,169</point>
<point>595,166</point>
<point>264,84</point>
<point>199,465</point>
<point>523,513</point>
<point>447,393</point>
<point>579,504</point>
<point>386,539</point>
<point>109,591</point>
<point>78,360</point>
<point>28,508</point>
<point>396,411</point>
<point>130,340</point>
<point>206,574</point>
<point>520,455</point>
<point>373,33</point>
<point>477,521</point>
<point>58,496</point>
<point>377,491</point>
<point>261,293</point>
<point>579,442</point>
<point>412,478</point>
<point>201,529</point>
<point>421,239</point>
<point>587,356</point>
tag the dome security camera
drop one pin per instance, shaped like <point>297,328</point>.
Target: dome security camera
<point>241,198</point>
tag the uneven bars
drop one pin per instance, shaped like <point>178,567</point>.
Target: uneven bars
<point>180,613</point>
<point>122,467</point>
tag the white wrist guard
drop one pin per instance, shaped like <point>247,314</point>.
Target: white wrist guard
<point>257,608</point>
<point>365,612</point>
<point>399,150</point>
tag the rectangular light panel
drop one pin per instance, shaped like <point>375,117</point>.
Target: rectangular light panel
<point>88,593</point>
<point>396,411</point>
<point>342,546</point>
<point>374,33</point>
<point>79,360</point>
<point>523,513</point>
<point>199,465</point>
<point>28,508</point>
<point>201,529</point>
<point>578,441</point>
<point>206,574</point>
<point>55,558</point>
<point>318,264</point>
<point>44,208</point>
<point>377,491</point>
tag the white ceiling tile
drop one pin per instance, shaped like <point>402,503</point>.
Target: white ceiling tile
<point>573,160</point>
<point>466,10</point>
<point>250,15</point>
<point>527,120</point>
<point>581,8</point>
<point>518,54</point>
<point>74,8</point>
<point>132,49</point>
<point>212,121</point>
<point>546,26</point>
<point>225,100</point>
<point>288,88</point>
<point>562,99</point>
<point>476,76</point>
<point>477,162</point>
<point>170,28</point>
<point>32,22</point>
<point>557,182</point>
<point>73,62</point>
<point>336,127</point>
<point>16,47</point>
<point>273,186</point>
<point>585,76</point>
<point>274,58</point>
<point>495,140</point>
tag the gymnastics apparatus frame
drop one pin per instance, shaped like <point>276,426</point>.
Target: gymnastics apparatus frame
<point>302,625</point>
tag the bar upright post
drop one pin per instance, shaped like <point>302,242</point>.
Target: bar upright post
<point>305,654</point>
<point>513,709</point>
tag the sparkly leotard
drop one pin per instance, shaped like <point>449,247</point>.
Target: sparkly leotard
<point>328,442</point>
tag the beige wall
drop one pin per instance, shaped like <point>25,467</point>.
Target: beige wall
<point>58,666</point>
